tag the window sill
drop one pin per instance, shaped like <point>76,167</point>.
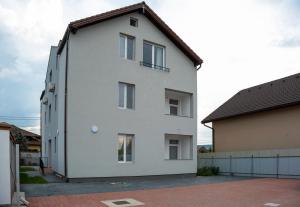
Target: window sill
<point>179,116</point>
<point>155,67</point>
<point>178,160</point>
<point>125,108</point>
<point>127,162</point>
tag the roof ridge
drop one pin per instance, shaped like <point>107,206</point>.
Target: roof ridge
<point>105,13</point>
<point>272,82</point>
<point>286,93</point>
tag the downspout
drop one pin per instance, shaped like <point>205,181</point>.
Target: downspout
<point>65,112</point>
<point>213,136</point>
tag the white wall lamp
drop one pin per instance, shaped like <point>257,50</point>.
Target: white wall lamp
<point>94,129</point>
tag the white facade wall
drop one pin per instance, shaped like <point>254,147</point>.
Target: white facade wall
<point>95,68</point>
<point>54,128</point>
<point>5,174</point>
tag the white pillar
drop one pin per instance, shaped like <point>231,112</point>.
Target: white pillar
<point>17,168</point>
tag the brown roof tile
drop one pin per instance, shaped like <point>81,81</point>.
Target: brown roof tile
<point>272,95</point>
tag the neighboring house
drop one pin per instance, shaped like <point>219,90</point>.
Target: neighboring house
<point>120,98</point>
<point>31,140</point>
<point>262,117</point>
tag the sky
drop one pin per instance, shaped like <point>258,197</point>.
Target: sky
<point>242,43</point>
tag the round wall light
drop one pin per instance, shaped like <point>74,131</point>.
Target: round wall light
<point>94,129</point>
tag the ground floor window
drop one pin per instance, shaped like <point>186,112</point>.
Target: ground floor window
<point>125,147</point>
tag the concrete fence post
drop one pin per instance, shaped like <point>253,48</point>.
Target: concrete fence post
<point>252,165</point>
<point>277,166</point>
<point>230,165</point>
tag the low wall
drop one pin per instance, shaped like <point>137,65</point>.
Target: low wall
<point>266,163</point>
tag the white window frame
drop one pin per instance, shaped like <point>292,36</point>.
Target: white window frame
<point>174,105</point>
<point>133,47</point>
<point>124,147</point>
<point>153,45</point>
<point>178,149</point>
<point>125,96</point>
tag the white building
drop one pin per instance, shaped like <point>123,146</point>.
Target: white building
<point>120,98</point>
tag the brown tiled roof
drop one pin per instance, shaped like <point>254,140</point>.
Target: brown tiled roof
<point>143,8</point>
<point>272,95</point>
<point>14,129</point>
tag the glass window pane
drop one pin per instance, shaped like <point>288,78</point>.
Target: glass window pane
<point>121,94</point>
<point>129,140</point>
<point>147,54</point>
<point>173,101</point>
<point>130,46</point>
<point>173,110</point>
<point>173,141</point>
<point>173,153</point>
<point>121,140</point>
<point>130,96</point>
<point>158,58</point>
<point>122,46</point>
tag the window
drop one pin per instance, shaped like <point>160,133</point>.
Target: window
<point>126,96</point>
<point>153,55</point>
<point>45,117</point>
<point>127,44</point>
<point>133,22</point>
<point>174,104</point>
<point>55,102</point>
<point>49,117</point>
<point>50,76</point>
<point>173,149</point>
<point>55,144</point>
<point>125,148</point>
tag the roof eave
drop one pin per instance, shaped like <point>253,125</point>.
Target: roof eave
<point>204,121</point>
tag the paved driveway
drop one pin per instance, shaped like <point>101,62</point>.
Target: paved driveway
<point>60,188</point>
<point>244,193</point>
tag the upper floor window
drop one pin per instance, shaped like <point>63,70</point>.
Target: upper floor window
<point>126,96</point>
<point>174,106</point>
<point>133,22</point>
<point>49,117</point>
<point>55,144</point>
<point>153,55</point>
<point>50,76</point>
<point>55,102</point>
<point>127,44</point>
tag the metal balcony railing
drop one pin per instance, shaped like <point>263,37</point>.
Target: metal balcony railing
<point>156,67</point>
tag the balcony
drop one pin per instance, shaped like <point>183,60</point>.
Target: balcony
<point>178,147</point>
<point>178,103</point>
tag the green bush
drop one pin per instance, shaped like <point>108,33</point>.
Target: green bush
<point>208,171</point>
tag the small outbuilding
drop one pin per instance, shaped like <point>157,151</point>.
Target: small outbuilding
<point>8,165</point>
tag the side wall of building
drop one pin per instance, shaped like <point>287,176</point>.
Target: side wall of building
<point>52,121</point>
<point>95,69</point>
<point>276,129</point>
